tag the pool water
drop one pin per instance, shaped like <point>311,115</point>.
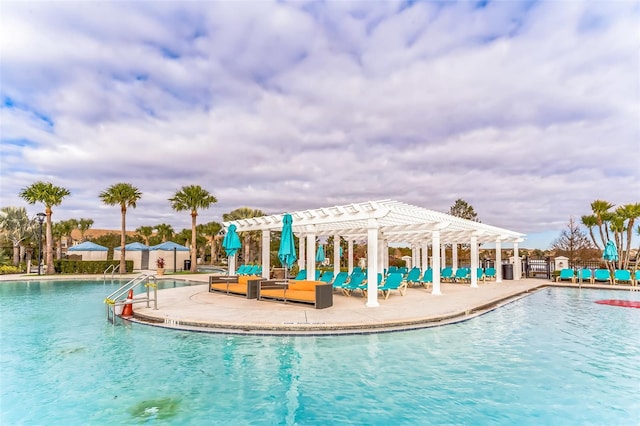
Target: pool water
<point>554,357</point>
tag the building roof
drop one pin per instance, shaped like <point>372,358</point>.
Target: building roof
<point>397,221</point>
<point>169,246</point>
<point>88,246</point>
<point>133,247</point>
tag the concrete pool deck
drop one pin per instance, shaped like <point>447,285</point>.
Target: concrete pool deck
<point>194,308</point>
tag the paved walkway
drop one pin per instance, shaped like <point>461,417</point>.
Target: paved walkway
<point>194,308</point>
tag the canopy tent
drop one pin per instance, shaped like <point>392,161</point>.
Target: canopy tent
<point>137,252</point>
<point>173,254</point>
<point>89,251</point>
<point>378,223</point>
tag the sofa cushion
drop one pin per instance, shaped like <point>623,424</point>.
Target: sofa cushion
<point>303,285</point>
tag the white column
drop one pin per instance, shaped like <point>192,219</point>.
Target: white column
<point>443,255</point>
<point>385,257</point>
<point>350,256</point>
<point>454,256</point>
<point>232,264</point>
<point>425,256</point>
<point>266,253</point>
<point>372,263</point>
<point>336,255</point>
<point>381,253</point>
<point>435,242</point>
<point>517,265</point>
<point>498,264</point>
<point>474,261</point>
<point>302,258</point>
<point>311,253</point>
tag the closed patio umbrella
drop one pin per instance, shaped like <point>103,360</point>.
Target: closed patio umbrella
<point>231,243</point>
<point>287,250</point>
<point>320,254</point>
<point>610,253</point>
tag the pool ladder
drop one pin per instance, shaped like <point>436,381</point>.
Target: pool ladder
<point>113,269</point>
<point>119,297</point>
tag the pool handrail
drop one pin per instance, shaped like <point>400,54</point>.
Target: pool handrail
<point>119,297</point>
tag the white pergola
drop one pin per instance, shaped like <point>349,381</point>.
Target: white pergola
<point>379,223</point>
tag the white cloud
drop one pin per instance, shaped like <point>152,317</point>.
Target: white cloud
<point>526,110</point>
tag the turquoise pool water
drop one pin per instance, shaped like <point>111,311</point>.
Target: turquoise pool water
<point>554,357</point>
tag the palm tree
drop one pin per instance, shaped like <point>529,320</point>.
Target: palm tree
<point>164,231</point>
<point>192,198</point>
<point>83,226</point>
<point>210,231</point>
<point>629,212</point>
<point>247,237</point>
<point>590,221</point>
<point>145,232</point>
<point>15,224</point>
<point>49,195</point>
<point>125,195</point>
<point>601,212</point>
<point>65,228</point>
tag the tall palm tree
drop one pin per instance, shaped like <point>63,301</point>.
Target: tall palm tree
<point>247,237</point>
<point>57,232</point>
<point>65,227</point>
<point>145,232</point>
<point>16,226</point>
<point>210,231</point>
<point>49,195</point>
<point>192,198</point>
<point>125,195</point>
<point>164,231</point>
<point>600,210</point>
<point>83,226</point>
<point>629,212</point>
<point>590,221</point>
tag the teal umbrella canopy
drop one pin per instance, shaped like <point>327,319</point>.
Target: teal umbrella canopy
<point>231,242</point>
<point>320,254</point>
<point>287,250</point>
<point>610,253</point>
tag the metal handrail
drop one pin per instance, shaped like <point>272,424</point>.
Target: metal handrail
<point>113,268</point>
<point>119,297</point>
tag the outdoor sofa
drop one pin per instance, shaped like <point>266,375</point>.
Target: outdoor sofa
<point>317,293</point>
<point>244,285</point>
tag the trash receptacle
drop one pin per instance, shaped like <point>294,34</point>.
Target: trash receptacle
<point>507,271</point>
<point>187,265</point>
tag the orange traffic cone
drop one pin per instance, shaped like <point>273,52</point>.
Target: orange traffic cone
<point>128,307</point>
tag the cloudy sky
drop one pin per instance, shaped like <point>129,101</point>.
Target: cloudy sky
<point>527,110</point>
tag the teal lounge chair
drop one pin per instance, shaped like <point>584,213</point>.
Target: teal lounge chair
<point>427,278</point>
<point>584,276</point>
<point>356,282</point>
<point>622,276</point>
<point>462,275</point>
<point>242,269</point>
<point>327,277</point>
<point>566,275</point>
<point>490,274</point>
<point>340,280</point>
<point>413,277</point>
<point>394,281</point>
<point>480,274</point>
<point>302,275</point>
<point>637,277</point>
<point>446,274</point>
<point>602,275</point>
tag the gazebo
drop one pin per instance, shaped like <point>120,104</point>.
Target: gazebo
<point>89,251</point>
<point>173,254</point>
<point>137,252</point>
<point>378,223</point>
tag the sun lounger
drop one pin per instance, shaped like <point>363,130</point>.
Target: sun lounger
<point>394,281</point>
<point>566,275</point>
<point>489,274</point>
<point>356,282</point>
<point>622,276</point>
<point>602,275</point>
<point>413,277</point>
<point>340,280</point>
<point>427,278</point>
<point>327,277</point>
<point>446,274</point>
<point>462,275</point>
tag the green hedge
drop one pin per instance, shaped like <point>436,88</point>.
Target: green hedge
<point>64,266</point>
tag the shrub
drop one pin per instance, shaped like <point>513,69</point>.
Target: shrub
<point>65,266</point>
<point>9,269</point>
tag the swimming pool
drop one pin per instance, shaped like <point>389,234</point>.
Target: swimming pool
<point>554,357</point>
